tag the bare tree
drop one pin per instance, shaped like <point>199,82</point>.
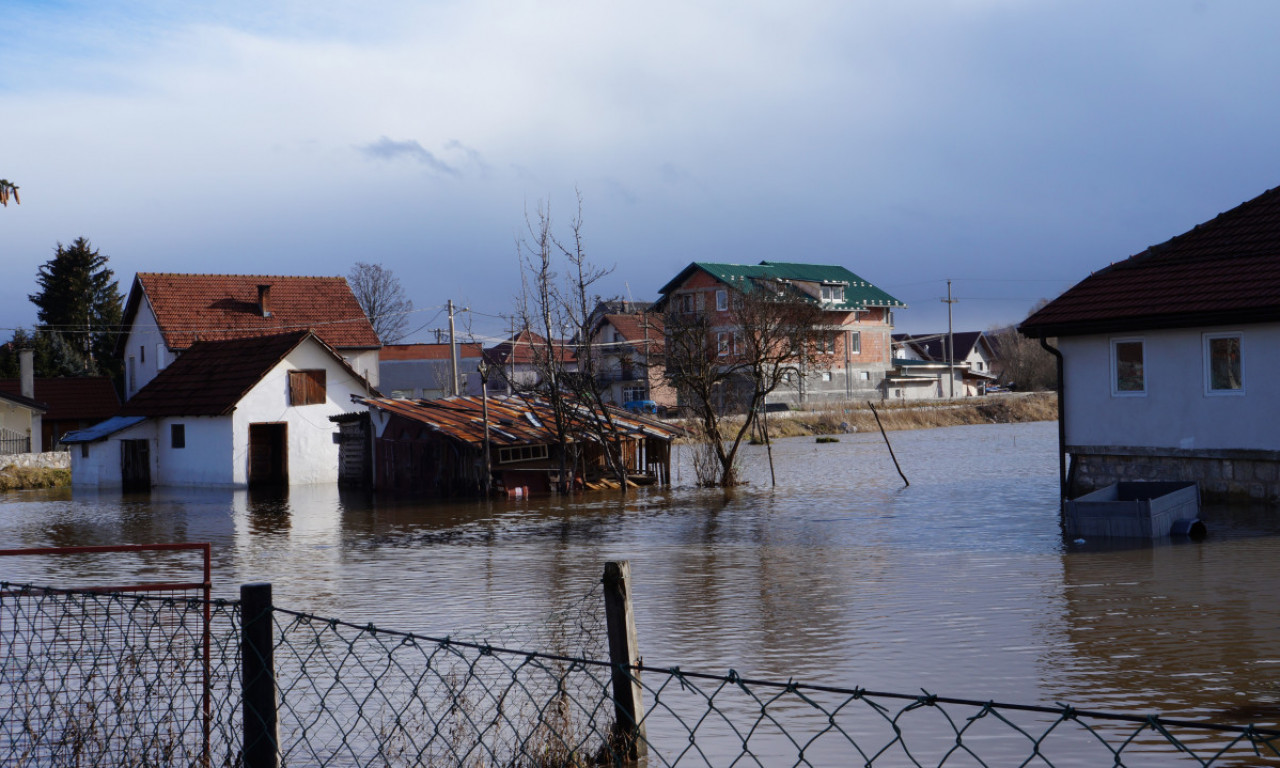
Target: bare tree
<point>551,307</point>
<point>771,340</point>
<point>379,293</point>
<point>1023,363</point>
<point>8,188</point>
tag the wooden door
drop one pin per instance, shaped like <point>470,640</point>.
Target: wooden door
<point>135,465</point>
<point>269,454</point>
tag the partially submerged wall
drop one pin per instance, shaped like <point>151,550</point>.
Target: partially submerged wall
<point>1240,475</point>
<point>47,460</point>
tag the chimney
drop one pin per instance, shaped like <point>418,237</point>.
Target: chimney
<point>27,372</point>
<point>264,299</point>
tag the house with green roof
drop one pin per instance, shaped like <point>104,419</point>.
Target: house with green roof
<point>856,354</point>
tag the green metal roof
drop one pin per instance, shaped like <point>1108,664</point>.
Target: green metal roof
<point>858,293</point>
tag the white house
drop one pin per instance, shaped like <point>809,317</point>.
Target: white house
<point>940,365</point>
<point>629,348</point>
<point>1171,360</point>
<point>167,312</point>
<point>226,413</point>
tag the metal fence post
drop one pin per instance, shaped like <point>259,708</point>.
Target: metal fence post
<point>258,677</point>
<point>624,656</point>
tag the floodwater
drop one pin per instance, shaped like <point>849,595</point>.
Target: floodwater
<point>960,584</point>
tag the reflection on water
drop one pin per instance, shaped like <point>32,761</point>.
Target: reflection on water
<point>960,583</point>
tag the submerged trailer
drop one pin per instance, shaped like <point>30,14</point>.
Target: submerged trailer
<point>1147,510</point>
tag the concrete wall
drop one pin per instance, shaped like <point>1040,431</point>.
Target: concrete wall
<point>46,460</point>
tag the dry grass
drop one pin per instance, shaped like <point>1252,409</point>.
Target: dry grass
<point>857,417</point>
<point>23,478</point>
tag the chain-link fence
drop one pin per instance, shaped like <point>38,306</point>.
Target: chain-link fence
<point>94,679</point>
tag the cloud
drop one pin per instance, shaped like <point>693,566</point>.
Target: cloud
<point>387,149</point>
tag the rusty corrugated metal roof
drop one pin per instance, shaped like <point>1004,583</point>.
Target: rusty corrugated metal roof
<point>512,420</point>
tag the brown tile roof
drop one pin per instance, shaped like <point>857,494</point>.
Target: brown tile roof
<point>636,328</point>
<point>1226,270</point>
<point>211,377</point>
<point>71,398</point>
<point>427,351</point>
<point>212,307</point>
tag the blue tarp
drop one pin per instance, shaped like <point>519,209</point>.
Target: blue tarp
<point>102,429</point>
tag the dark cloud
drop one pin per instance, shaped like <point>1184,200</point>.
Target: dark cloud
<point>386,149</point>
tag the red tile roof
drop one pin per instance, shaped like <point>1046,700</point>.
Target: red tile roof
<point>427,351</point>
<point>69,398</point>
<point>212,307</point>
<point>1226,270</point>
<point>211,377</point>
<point>637,328</point>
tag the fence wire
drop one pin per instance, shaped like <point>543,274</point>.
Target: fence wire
<point>93,679</point>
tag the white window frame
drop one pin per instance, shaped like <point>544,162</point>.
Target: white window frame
<point>1114,367</point>
<point>722,300</point>
<point>1206,340</point>
<point>855,342</point>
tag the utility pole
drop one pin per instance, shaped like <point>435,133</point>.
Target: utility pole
<point>453,352</point>
<point>951,348</point>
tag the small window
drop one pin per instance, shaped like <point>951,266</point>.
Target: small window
<point>685,302</point>
<point>307,387</point>
<point>833,294</point>
<point>177,435</point>
<point>84,450</point>
<point>723,340</point>
<point>722,300</point>
<point>1224,370</point>
<point>855,342</point>
<point>826,375</point>
<point>1128,375</point>
<point>132,374</point>
<point>522,453</point>
<point>142,354</point>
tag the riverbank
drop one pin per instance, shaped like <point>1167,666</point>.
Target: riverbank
<point>1012,408</point>
<point>14,478</point>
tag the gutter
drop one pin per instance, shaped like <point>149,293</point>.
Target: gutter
<point>1062,425</point>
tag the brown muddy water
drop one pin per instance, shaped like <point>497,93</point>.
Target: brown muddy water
<point>960,584</point>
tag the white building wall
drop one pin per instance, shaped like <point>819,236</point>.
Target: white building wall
<point>203,459</point>
<point>1175,411</point>
<point>365,363</point>
<point>145,353</point>
<point>313,455</point>
<point>101,467</point>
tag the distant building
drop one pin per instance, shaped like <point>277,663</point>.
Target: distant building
<point>924,368</point>
<point>628,349</point>
<point>856,357</point>
<point>426,370</point>
<point>73,403</point>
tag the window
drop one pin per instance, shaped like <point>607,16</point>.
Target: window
<point>521,453</point>
<point>631,394</point>
<point>722,300</point>
<point>723,340</point>
<point>306,387</point>
<point>133,374</point>
<point>142,354</point>
<point>178,435</point>
<point>1128,377</point>
<point>1224,373</point>
<point>684,302</point>
<point>826,375</point>
<point>855,342</point>
<point>833,293</point>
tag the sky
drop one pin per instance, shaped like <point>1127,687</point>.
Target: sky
<point>1009,146</point>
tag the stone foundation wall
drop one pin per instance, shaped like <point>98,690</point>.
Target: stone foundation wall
<point>1235,478</point>
<point>48,460</point>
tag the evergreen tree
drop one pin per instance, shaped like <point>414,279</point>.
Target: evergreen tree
<point>79,309</point>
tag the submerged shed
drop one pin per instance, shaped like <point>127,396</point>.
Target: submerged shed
<point>437,447</point>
